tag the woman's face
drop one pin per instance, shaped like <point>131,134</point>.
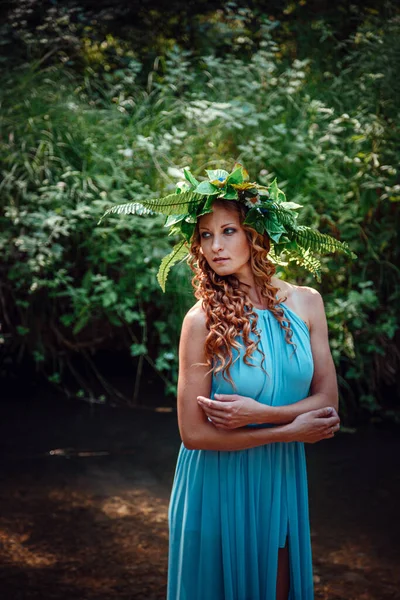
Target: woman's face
<point>223,242</point>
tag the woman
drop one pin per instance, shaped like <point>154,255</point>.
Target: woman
<point>256,381</point>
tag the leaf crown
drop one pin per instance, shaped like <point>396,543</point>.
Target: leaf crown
<point>268,212</point>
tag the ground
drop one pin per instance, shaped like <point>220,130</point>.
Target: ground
<point>84,498</point>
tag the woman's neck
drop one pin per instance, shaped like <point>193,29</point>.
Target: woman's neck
<point>254,293</point>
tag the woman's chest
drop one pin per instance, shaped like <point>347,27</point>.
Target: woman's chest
<point>283,377</point>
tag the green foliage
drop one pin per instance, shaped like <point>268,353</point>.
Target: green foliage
<point>78,138</point>
<point>179,252</point>
<point>173,204</point>
<point>272,216</point>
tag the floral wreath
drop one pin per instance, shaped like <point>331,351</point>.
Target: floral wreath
<point>268,212</point>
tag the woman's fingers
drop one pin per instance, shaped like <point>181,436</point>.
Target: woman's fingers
<point>332,430</point>
<point>214,414</point>
<point>212,405</point>
<point>330,421</point>
<point>219,423</point>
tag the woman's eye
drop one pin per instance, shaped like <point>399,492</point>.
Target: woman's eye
<point>227,231</point>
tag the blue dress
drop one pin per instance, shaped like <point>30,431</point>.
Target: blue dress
<point>230,511</point>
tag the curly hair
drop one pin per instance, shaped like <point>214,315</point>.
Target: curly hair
<point>229,311</point>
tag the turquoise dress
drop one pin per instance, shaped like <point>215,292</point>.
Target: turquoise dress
<point>230,511</point>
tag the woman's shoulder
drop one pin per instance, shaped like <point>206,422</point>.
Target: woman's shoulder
<point>302,294</point>
<point>193,336</point>
<point>302,299</point>
<point>195,320</point>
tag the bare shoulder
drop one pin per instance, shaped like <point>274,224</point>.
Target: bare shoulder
<point>312,306</point>
<point>306,302</point>
<point>308,295</point>
<point>194,322</point>
<point>193,336</point>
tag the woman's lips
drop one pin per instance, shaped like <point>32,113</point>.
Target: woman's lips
<point>220,260</point>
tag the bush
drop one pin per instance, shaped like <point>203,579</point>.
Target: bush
<point>71,146</point>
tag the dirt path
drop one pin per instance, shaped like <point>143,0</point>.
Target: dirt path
<point>89,521</point>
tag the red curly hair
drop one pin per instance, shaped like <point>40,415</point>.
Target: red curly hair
<point>224,301</point>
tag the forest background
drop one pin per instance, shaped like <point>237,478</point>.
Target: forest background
<point>105,102</point>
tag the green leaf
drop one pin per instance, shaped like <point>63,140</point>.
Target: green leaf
<point>109,298</point>
<point>275,193</point>
<point>173,219</point>
<point>256,220</point>
<point>138,349</point>
<point>191,218</point>
<point>244,171</point>
<point>274,228</point>
<point>236,176</point>
<point>82,321</point>
<point>179,252</point>
<point>217,174</point>
<point>187,229</point>
<point>206,188</point>
<point>192,180</point>
<point>291,205</point>
<point>207,208</point>
<point>230,194</point>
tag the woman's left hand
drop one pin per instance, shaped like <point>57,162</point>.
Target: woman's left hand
<point>230,411</point>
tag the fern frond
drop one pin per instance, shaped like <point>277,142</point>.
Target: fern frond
<point>173,204</point>
<point>130,208</point>
<point>179,252</point>
<point>318,242</point>
<point>275,258</point>
<point>304,258</point>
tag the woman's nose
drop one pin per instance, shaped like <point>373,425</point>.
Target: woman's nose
<point>217,243</point>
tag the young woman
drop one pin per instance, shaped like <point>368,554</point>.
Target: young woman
<point>256,382</point>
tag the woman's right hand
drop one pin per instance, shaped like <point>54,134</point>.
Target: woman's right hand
<point>315,425</point>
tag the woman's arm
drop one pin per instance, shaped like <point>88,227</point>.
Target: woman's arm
<point>196,431</point>
<point>229,411</point>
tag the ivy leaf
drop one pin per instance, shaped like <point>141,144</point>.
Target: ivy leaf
<point>236,176</point>
<point>256,220</point>
<point>173,219</point>
<point>273,227</point>
<point>207,208</point>
<point>206,188</point>
<point>230,194</point>
<point>187,230</point>
<point>179,252</point>
<point>245,173</point>
<point>275,193</point>
<point>218,174</point>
